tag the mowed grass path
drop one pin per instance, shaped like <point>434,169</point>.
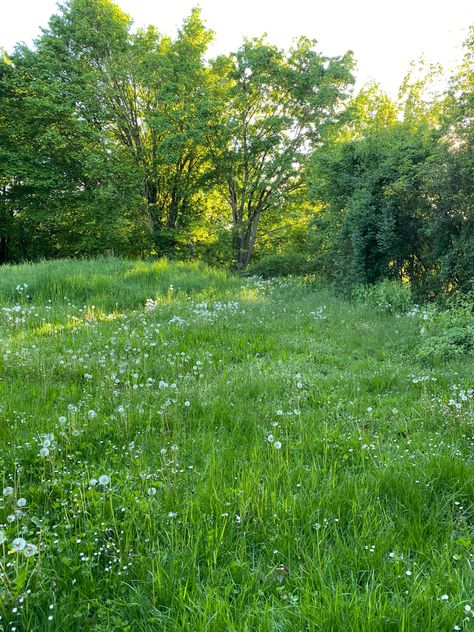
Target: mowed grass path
<point>240,455</point>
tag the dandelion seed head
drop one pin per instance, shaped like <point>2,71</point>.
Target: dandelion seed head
<point>30,550</point>
<point>18,544</point>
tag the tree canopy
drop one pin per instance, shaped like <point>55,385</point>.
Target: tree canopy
<point>124,140</point>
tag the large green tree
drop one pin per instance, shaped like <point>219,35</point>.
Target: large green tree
<point>449,182</point>
<point>105,149</point>
<point>71,190</point>
<point>277,105</point>
<point>369,182</point>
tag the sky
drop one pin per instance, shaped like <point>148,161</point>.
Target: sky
<point>385,35</point>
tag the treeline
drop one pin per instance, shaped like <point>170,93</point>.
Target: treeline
<point>123,141</point>
<point>130,142</point>
<point>396,187</point>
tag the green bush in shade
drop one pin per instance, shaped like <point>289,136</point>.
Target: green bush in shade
<point>386,296</point>
<point>288,264</point>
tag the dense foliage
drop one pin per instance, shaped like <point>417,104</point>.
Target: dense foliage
<point>125,141</point>
<point>130,142</point>
<point>396,188</point>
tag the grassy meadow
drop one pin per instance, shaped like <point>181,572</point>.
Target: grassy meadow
<point>183,449</point>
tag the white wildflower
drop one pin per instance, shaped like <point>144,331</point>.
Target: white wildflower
<point>18,544</point>
<point>30,550</point>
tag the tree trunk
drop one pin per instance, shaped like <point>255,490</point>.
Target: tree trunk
<point>244,238</point>
<point>173,209</point>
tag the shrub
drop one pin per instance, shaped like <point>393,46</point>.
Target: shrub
<point>290,263</point>
<point>447,334</point>
<point>391,297</point>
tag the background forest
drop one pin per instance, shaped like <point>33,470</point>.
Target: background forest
<point>129,142</point>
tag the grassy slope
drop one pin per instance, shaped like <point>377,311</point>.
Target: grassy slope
<point>360,521</point>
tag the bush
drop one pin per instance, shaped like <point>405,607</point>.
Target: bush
<point>447,334</point>
<point>291,263</point>
<point>389,297</point>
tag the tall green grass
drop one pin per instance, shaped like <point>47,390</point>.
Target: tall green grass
<point>276,459</point>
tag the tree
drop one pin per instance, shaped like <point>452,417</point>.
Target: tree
<point>276,105</point>
<point>107,153</point>
<point>154,94</point>
<point>369,182</point>
<point>69,190</point>
<point>449,182</point>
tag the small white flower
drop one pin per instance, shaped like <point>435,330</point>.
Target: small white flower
<point>444,597</point>
<point>467,608</point>
<point>279,412</point>
<point>152,491</point>
<point>172,514</point>
<point>62,420</point>
<point>369,409</point>
<point>21,502</point>
<point>11,518</point>
<point>92,414</point>
<point>187,403</point>
<point>18,544</point>
<point>30,549</point>
<point>408,573</point>
<point>270,438</point>
<point>277,445</point>
<point>93,482</point>
<point>8,491</point>
<point>3,536</point>
<point>44,452</point>
<point>104,480</point>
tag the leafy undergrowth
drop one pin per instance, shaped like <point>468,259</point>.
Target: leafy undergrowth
<point>186,450</point>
